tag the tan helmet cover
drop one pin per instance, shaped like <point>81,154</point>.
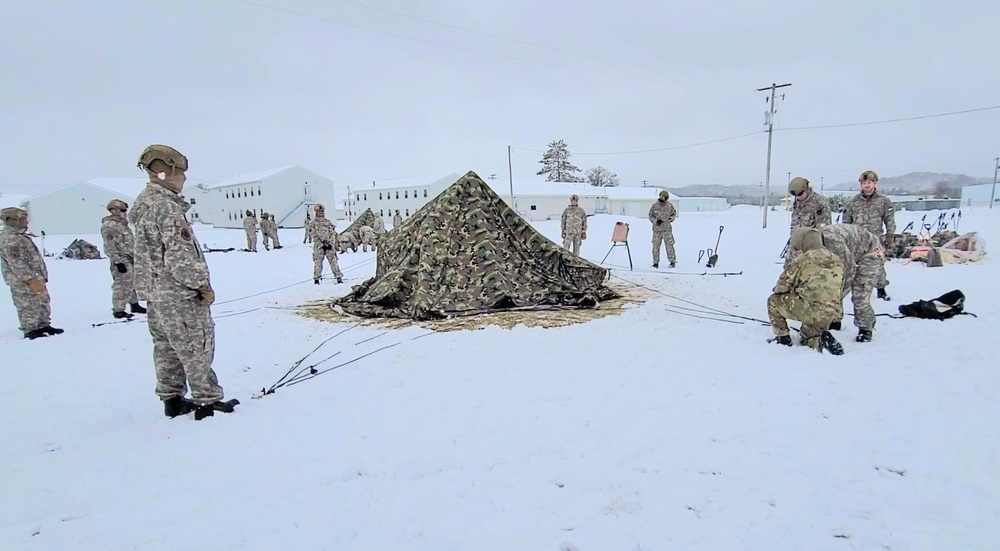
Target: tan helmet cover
<point>117,204</point>
<point>664,195</point>
<point>806,239</point>
<point>868,175</point>
<point>798,185</point>
<point>165,153</point>
<point>10,214</point>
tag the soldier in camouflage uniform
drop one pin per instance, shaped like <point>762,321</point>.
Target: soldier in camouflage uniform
<point>396,220</point>
<point>325,243</point>
<point>250,226</point>
<point>367,238</point>
<point>809,210</point>
<point>874,212</point>
<point>378,226</point>
<point>172,276</point>
<point>306,236</point>
<point>273,226</point>
<point>574,225</point>
<point>347,240</point>
<point>119,245</point>
<point>265,233</point>
<point>24,271</point>
<point>861,254</point>
<point>808,291</point>
<point>662,214</point>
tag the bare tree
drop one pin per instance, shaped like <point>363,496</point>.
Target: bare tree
<point>601,177</point>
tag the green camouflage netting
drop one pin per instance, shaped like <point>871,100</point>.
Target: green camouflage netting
<point>81,250</point>
<point>367,218</point>
<point>466,253</point>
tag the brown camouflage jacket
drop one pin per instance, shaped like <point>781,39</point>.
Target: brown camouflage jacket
<point>816,276</point>
<point>662,210</point>
<point>811,212</point>
<point>875,213</point>
<point>19,257</point>
<point>119,243</point>
<point>574,220</point>
<point>250,224</point>
<point>851,243</point>
<point>323,232</point>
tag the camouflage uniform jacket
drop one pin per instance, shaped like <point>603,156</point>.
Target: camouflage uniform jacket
<point>323,232</point>
<point>119,243</point>
<point>574,220</point>
<point>871,213</point>
<point>662,210</point>
<point>169,263</point>
<point>396,221</point>
<point>367,233</point>
<point>851,243</point>
<point>815,276</point>
<point>379,225</point>
<point>250,224</point>
<point>19,257</point>
<point>349,238</point>
<point>811,212</point>
<point>266,226</point>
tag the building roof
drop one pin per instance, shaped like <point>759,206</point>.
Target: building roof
<point>11,200</point>
<point>126,187</point>
<point>430,180</point>
<point>250,177</point>
<point>541,188</point>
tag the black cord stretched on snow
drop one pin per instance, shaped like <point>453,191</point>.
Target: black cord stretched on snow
<point>282,381</point>
<point>310,280</point>
<point>657,272</point>
<point>705,309</point>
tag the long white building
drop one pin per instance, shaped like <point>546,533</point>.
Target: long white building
<point>287,192</point>
<point>979,196</point>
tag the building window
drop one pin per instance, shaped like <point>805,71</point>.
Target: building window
<point>406,195</point>
<point>407,212</point>
<point>365,195</point>
<point>397,195</point>
<point>381,212</point>
<point>193,201</point>
<point>380,196</point>
<point>251,192</point>
<point>258,191</point>
<point>357,197</point>
<point>227,195</point>
<point>414,194</point>
<point>425,193</point>
<point>230,217</point>
<point>533,207</point>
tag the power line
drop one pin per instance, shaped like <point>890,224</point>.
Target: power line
<point>526,43</point>
<point>659,149</point>
<point>887,121</point>
<point>483,52</point>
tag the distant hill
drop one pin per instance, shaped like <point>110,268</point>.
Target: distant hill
<point>917,183</point>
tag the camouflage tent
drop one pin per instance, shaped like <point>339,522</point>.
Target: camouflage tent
<point>466,252</point>
<point>81,250</point>
<point>367,218</point>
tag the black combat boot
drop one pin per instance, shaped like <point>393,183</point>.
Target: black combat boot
<point>208,410</point>
<point>121,315</point>
<point>656,264</point>
<point>49,330</point>
<point>177,405</point>
<point>135,308</point>
<point>35,333</point>
<point>673,264</point>
<point>316,281</point>
<point>835,325</point>
<point>882,294</point>
<point>340,280</point>
<point>204,411</point>
<point>830,344</point>
<point>864,335</point>
<point>783,339</point>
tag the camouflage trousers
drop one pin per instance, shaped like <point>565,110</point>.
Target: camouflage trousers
<point>265,239</point>
<point>183,349</point>
<point>274,237</point>
<point>882,280</point>
<point>815,317</point>
<point>573,241</point>
<point>33,311</point>
<point>331,256</point>
<point>665,236</point>
<point>369,242</point>
<point>252,241</point>
<point>859,284</point>
<point>122,288</point>
<point>307,237</point>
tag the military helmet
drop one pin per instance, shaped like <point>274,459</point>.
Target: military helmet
<point>868,175</point>
<point>249,212</point>
<point>318,207</point>
<point>574,197</point>
<point>664,195</point>
<point>806,239</point>
<point>798,185</point>
<point>117,204</point>
<point>165,153</point>
<point>12,213</point>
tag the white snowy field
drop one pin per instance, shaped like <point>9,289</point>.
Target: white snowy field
<point>651,430</point>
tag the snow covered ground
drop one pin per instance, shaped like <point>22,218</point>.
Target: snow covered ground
<point>647,431</point>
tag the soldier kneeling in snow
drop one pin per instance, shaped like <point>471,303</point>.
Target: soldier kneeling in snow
<point>809,291</point>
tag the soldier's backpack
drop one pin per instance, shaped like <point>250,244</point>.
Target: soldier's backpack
<point>944,307</point>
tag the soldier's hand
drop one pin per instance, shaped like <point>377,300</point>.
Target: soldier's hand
<point>121,268</point>
<point>658,222</point>
<point>36,285</point>
<point>583,235</point>
<point>888,240</point>
<point>206,296</point>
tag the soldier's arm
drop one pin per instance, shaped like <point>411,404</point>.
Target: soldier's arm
<point>562,222</point>
<point>111,245</point>
<point>180,256</point>
<point>889,217</point>
<point>825,215</point>
<point>787,278</point>
<point>673,214</point>
<point>848,217</point>
<point>652,214</point>
<point>18,259</point>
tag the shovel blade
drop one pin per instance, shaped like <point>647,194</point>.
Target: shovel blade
<point>712,260</point>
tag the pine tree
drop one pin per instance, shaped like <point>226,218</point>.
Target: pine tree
<point>601,177</point>
<point>556,166</point>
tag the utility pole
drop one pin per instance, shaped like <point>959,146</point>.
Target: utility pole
<point>493,177</point>
<point>644,182</point>
<point>789,177</point>
<point>770,134</point>
<point>821,184</point>
<point>510,172</point>
<point>993,193</point>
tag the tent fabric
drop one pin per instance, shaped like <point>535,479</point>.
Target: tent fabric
<point>466,252</point>
<point>81,250</point>
<point>968,247</point>
<point>367,218</point>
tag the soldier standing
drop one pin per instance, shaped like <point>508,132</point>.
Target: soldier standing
<point>861,254</point>
<point>306,236</point>
<point>265,230</point>
<point>325,245</point>
<point>172,276</point>
<point>119,245</point>
<point>396,220</point>
<point>24,271</point>
<point>809,210</point>
<point>250,226</point>
<point>809,291</point>
<point>274,232</point>
<point>378,225</point>
<point>574,225</point>
<point>662,214</point>
<point>367,238</point>
<point>872,211</point>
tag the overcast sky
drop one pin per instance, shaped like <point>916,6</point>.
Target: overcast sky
<point>240,88</point>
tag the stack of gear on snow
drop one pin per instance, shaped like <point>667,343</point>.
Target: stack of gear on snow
<point>902,243</point>
<point>959,249</point>
<point>367,218</point>
<point>81,250</point>
<point>466,252</point>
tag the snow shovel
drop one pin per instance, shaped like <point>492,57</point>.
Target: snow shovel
<point>713,254</point>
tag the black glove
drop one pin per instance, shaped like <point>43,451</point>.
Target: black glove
<point>658,222</point>
<point>121,268</point>
<point>326,247</point>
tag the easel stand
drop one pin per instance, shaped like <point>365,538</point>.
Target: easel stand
<point>618,239</point>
